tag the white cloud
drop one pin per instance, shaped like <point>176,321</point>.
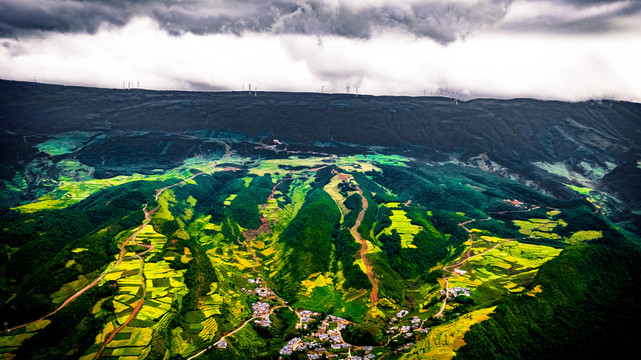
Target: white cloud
<point>493,64</point>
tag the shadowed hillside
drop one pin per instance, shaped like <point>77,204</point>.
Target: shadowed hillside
<point>546,144</point>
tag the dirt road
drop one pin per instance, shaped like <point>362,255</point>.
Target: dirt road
<point>359,238</point>
<point>463,261</point>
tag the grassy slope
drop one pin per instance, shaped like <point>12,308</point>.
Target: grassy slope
<point>589,297</point>
<point>309,235</point>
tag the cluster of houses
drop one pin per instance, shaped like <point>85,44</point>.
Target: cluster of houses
<point>296,344</point>
<point>261,311</point>
<point>316,351</point>
<point>306,316</point>
<point>414,326</point>
<point>332,337</point>
<point>260,290</point>
<point>457,291</point>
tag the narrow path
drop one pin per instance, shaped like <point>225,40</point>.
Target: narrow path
<point>359,238</point>
<point>134,312</point>
<point>121,256</point>
<point>160,191</point>
<point>464,260</point>
<point>249,238</point>
<point>232,333</point>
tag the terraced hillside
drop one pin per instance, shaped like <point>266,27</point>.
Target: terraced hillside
<point>205,242</point>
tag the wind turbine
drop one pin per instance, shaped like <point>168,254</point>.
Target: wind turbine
<point>357,86</point>
<point>347,88</point>
<point>443,88</point>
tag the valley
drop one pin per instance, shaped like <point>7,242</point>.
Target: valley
<point>164,239</point>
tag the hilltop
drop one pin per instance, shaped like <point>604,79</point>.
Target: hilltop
<point>548,144</point>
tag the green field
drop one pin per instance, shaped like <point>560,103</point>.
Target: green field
<point>197,283</point>
<point>506,269</point>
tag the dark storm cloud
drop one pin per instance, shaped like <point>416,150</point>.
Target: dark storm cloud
<point>444,21</point>
<point>604,20</point>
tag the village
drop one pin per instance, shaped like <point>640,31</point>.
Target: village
<point>327,340</point>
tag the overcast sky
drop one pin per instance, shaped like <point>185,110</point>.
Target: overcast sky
<point>557,49</point>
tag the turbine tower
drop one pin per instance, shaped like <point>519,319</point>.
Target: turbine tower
<point>347,88</point>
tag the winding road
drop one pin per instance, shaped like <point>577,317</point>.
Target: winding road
<point>463,261</point>
<point>359,238</point>
<point>121,256</point>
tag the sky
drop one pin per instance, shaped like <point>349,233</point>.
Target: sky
<point>568,50</point>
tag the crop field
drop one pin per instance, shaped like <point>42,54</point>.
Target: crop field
<point>442,341</point>
<point>365,163</point>
<point>506,269</point>
<point>402,224</point>
<point>276,167</point>
<point>542,228</point>
<point>70,190</point>
<point>130,343</point>
<point>332,189</point>
<point>584,235</point>
<point>326,298</point>
<point>12,341</point>
<point>70,288</point>
<point>197,283</point>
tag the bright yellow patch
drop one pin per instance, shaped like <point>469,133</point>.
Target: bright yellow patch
<point>537,289</point>
<point>443,340</point>
<point>402,224</point>
<point>314,280</point>
<point>210,326</point>
<point>584,235</point>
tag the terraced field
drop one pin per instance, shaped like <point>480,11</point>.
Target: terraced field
<point>186,281</point>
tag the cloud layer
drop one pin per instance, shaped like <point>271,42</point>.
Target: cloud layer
<point>553,49</point>
<point>444,21</point>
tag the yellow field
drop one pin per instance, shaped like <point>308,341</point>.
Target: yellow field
<point>442,341</point>
<point>402,224</point>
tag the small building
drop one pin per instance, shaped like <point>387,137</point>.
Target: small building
<point>222,344</point>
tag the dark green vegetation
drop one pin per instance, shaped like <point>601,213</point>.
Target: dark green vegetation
<point>589,300</point>
<point>530,209</point>
<point>309,234</point>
